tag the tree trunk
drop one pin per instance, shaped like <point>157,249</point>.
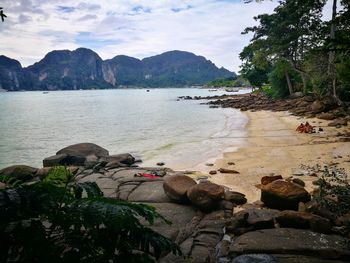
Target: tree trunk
<point>289,83</point>
<point>304,78</point>
<point>331,59</point>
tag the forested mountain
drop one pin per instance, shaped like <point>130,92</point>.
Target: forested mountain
<point>84,69</point>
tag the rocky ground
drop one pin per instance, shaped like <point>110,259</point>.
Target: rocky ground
<point>210,222</point>
<point>308,106</point>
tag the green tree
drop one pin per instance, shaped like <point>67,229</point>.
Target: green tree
<point>61,220</point>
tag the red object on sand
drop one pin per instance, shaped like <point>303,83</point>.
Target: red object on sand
<point>150,176</point>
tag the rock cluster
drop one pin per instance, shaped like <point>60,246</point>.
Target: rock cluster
<point>204,224</point>
<point>308,105</point>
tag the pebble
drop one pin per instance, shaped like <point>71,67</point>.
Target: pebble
<point>209,164</point>
<point>231,163</point>
<point>160,164</point>
<point>213,172</point>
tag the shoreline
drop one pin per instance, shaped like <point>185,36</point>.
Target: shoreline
<point>273,147</point>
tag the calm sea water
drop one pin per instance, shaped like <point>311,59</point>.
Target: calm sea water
<point>152,125</point>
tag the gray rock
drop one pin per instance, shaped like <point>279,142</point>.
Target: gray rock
<point>124,158</point>
<point>149,192</point>
<point>254,258</point>
<point>84,149</point>
<point>20,172</point>
<point>292,241</point>
<point>58,159</point>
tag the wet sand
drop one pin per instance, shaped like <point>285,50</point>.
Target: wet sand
<point>273,146</point>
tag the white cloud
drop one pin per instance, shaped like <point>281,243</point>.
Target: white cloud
<point>137,28</point>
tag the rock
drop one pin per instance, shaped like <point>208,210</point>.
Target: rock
<point>298,181</point>
<point>176,187</point>
<point>338,122</point>
<point>43,172</point>
<point>206,195</point>
<point>55,160</point>
<point>124,158</point>
<point>235,197</point>
<point>304,221</point>
<point>212,172</point>
<point>269,179</point>
<point>149,192</point>
<point>160,164</point>
<point>253,219</point>
<point>84,149</point>
<point>231,163</point>
<point>317,106</point>
<point>209,164</point>
<point>20,172</point>
<point>326,116</point>
<point>91,161</point>
<point>228,171</point>
<point>254,258</point>
<point>283,195</point>
<point>292,241</point>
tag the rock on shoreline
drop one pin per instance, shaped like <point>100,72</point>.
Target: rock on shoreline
<point>205,223</point>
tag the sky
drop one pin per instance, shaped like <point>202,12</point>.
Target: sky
<point>137,28</point>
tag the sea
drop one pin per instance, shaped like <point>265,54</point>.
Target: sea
<point>154,126</point>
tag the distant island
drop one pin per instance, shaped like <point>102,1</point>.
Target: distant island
<point>84,69</point>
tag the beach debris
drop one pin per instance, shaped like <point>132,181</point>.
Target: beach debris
<point>176,187</point>
<point>209,164</point>
<point>228,171</point>
<point>147,175</point>
<point>305,128</point>
<point>231,163</point>
<point>160,163</point>
<point>212,172</point>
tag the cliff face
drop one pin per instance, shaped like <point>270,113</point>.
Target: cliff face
<point>11,74</point>
<point>64,69</point>
<point>84,69</point>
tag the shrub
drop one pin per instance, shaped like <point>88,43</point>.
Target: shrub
<point>61,220</point>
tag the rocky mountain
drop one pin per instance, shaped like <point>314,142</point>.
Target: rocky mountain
<point>84,69</point>
<point>11,74</point>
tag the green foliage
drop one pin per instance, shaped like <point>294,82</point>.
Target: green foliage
<point>277,79</point>
<point>295,32</point>
<point>61,220</point>
<point>334,189</point>
<point>228,82</point>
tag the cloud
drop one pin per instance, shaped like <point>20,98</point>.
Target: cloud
<point>139,28</point>
<point>65,9</point>
<point>87,17</point>
<point>23,19</point>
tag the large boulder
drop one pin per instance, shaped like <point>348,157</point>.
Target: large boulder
<point>84,149</point>
<point>304,220</point>
<point>270,178</point>
<point>292,241</point>
<point>317,106</point>
<point>283,195</point>
<point>20,172</point>
<point>81,154</point>
<point>206,196</point>
<point>176,187</point>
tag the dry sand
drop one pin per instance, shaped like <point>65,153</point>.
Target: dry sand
<point>274,147</point>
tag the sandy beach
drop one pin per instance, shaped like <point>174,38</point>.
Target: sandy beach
<point>273,146</point>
